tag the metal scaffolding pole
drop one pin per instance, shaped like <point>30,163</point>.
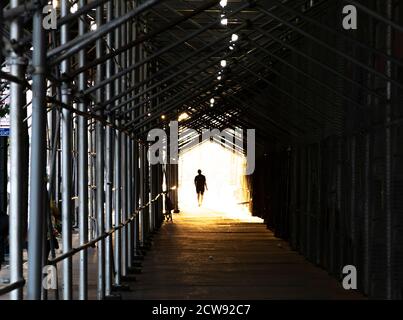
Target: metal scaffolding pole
<point>131,207</point>
<point>175,75</point>
<point>144,37</point>
<point>136,176</point>
<point>38,159</point>
<point>124,141</point>
<point>141,196</point>
<point>389,158</point>
<point>152,196</point>
<point>66,49</point>
<point>129,198</point>
<point>123,195</point>
<point>108,166</point>
<point>16,63</point>
<point>99,136</point>
<point>83,171</point>
<point>117,163</point>
<point>66,163</point>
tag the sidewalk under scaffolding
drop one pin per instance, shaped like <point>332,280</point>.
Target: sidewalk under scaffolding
<point>206,255</point>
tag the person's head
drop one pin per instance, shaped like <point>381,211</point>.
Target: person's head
<point>199,171</point>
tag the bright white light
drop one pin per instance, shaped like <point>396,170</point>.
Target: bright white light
<point>234,37</point>
<point>219,78</point>
<point>227,195</point>
<point>183,116</point>
<point>224,21</point>
<point>93,26</point>
<point>55,4</point>
<point>212,100</point>
<point>223,63</point>
<point>231,47</point>
<point>74,8</point>
<point>223,3</point>
<point>149,114</point>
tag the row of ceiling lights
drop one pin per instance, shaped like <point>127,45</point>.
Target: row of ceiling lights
<point>232,42</point>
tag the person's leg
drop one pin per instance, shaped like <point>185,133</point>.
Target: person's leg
<point>201,198</point>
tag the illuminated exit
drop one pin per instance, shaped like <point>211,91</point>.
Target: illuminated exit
<point>226,189</point>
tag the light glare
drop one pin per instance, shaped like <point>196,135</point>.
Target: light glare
<point>223,3</point>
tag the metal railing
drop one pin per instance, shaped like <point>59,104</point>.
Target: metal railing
<point>20,284</point>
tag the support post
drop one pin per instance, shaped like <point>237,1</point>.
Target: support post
<point>38,159</point>
<point>83,172</point>
<point>117,166</point>
<point>108,167</point>
<point>66,163</point>
<point>17,99</point>
<point>99,135</point>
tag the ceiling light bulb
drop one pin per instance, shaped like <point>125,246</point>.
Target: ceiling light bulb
<point>219,78</point>
<point>212,100</point>
<point>223,3</point>
<point>223,63</point>
<point>234,37</point>
<point>224,21</point>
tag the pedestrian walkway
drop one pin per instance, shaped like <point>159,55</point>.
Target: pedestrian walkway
<point>206,255</point>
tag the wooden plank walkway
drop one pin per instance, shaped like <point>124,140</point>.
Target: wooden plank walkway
<point>213,257</point>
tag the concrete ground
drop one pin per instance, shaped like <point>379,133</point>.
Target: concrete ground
<point>207,255</point>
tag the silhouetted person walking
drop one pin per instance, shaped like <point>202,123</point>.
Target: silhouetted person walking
<point>200,183</point>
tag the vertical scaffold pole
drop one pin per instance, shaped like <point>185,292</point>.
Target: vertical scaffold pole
<point>388,156</point>
<point>83,171</point>
<point>38,158</point>
<point>117,82</point>
<point>123,141</point>
<point>99,135</point>
<point>142,200</point>
<point>66,162</point>
<point>108,166</point>
<point>129,176</point>
<point>16,63</point>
